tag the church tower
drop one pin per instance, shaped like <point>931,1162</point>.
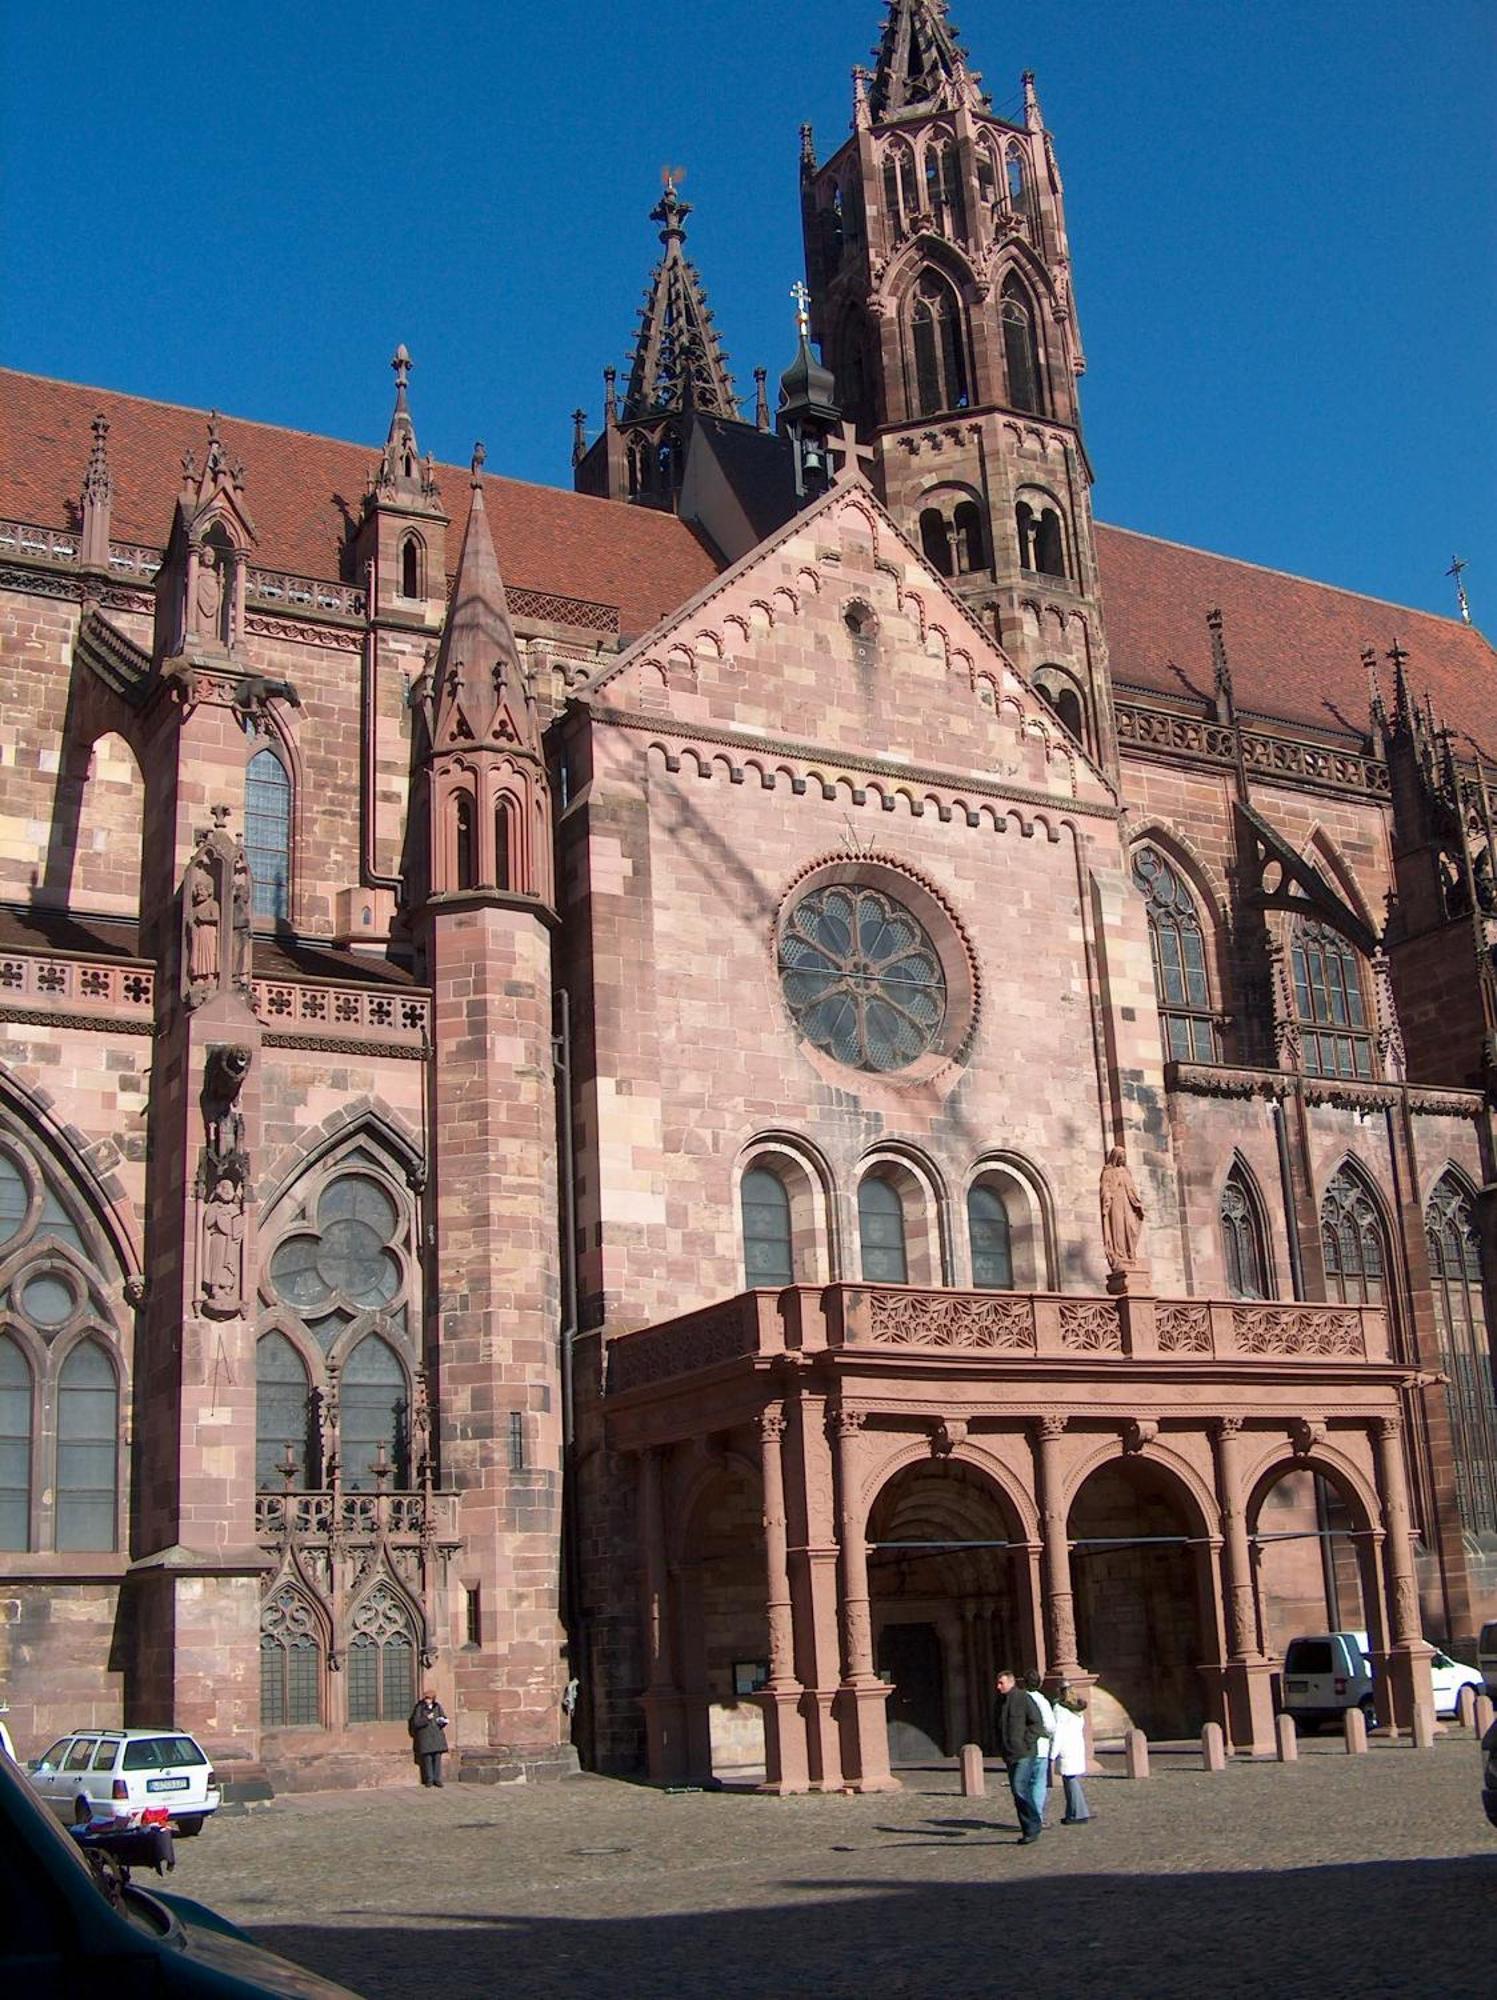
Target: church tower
<point>940,279</point>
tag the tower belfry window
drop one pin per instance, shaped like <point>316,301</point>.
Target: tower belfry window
<point>939,357</point>
<point>1021,349</point>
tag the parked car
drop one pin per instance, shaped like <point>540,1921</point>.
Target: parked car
<point>1449,1677</point>
<point>118,1773</point>
<point>1489,1773</point>
<point>72,1927</point>
<point>5,1743</point>
<point>1326,1673</point>
<point>1486,1655</point>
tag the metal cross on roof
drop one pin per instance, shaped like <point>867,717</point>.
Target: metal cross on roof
<point>802,308</point>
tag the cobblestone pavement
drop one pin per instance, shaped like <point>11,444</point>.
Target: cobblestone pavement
<point>1365,1876</point>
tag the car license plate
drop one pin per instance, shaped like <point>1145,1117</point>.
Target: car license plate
<point>1298,1687</point>
<point>167,1784</point>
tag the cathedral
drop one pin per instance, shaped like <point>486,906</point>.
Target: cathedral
<point>697,1110</point>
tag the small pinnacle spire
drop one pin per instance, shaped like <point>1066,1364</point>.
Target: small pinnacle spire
<point>1374,688</point>
<point>400,361</point>
<point>610,397</point>
<point>98,493</point>
<point>475,472</point>
<point>1034,118</point>
<point>579,436</point>
<point>862,118</point>
<point>401,474</point>
<point>761,399</point>
<point>807,149</point>
<point>1221,666</point>
<point>97,484</point>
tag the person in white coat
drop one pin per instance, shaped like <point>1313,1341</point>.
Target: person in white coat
<point>1039,1795</point>
<point>1068,1753</point>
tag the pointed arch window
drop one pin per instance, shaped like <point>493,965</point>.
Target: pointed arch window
<point>15,1446</point>
<point>939,346</point>
<point>768,1244</point>
<point>503,825</point>
<point>465,857</point>
<point>1352,1243</point>
<point>290,1663</point>
<point>88,1429</point>
<point>1465,1350</point>
<point>881,1232</point>
<point>373,1418</point>
<point>1329,1003</point>
<point>1021,348</point>
<point>992,1239</point>
<point>381,1660</point>
<point>943,189</point>
<point>285,1428</point>
<point>410,567</point>
<point>1178,948</point>
<point>267,834</point>
<point>1244,1253</point>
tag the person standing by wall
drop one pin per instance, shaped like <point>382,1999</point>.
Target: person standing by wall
<point>428,1727</point>
<point>1068,1751</point>
<point>1019,1729</point>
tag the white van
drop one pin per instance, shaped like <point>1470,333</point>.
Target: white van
<point>1486,1655</point>
<point>1326,1673</point>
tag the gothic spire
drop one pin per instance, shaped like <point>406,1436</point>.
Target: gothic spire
<point>479,689</point>
<point>98,493</point>
<point>402,474</point>
<point>678,362</point>
<point>920,63</point>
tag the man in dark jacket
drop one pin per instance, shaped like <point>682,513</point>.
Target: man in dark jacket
<point>1020,1729</point>
<point>428,1727</point>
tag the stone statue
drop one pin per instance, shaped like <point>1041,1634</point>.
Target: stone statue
<point>224,1071</point>
<point>242,907</point>
<point>1122,1213</point>
<point>203,915</point>
<point>223,1248</point>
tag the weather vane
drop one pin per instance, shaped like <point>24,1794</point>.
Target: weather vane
<point>672,177</point>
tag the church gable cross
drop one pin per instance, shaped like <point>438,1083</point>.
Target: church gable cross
<point>852,458</point>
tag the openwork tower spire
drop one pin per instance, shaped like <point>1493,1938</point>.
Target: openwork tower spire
<point>920,63</point>
<point>678,361</point>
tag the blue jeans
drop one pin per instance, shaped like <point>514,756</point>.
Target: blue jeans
<point>1026,1776</point>
<point>1076,1805</point>
<point>1039,1789</point>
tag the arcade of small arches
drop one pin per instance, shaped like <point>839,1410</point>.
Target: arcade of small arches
<point>1144,1561</point>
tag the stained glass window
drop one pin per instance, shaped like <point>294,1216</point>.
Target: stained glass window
<point>940,351</point>
<point>1335,1039</point>
<point>283,1414</point>
<point>992,1244</point>
<point>1351,1241</point>
<point>15,1447</point>
<point>87,1450</point>
<point>347,1265</point>
<point>1021,350</point>
<point>373,1411</point>
<point>862,978</point>
<point>267,834</point>
<point>767,1253</point>
<point>881,1232</point>
<point>1465,1351</point>
<point>1179,953</point>
<point>1242,1246</point>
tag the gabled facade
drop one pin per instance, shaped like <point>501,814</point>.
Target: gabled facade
<point>696,1110</point>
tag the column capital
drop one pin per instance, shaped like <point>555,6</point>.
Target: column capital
<point>1388,1429</point>
<point>1052,1426</point>
<point>844,1423</point>
<point>772,1423</point>
<point>1226,1428</point>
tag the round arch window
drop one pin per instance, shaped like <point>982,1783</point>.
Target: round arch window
<point>862,979</point>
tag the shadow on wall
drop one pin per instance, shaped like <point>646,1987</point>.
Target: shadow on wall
<point>1375,1929</point>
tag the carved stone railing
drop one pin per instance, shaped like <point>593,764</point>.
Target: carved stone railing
<point>308,1014</point>
<point>102,989</point>
<point>313,1516</point>
<point>1143,727</point>
<point>20,541</point>
<point>283,591</point>
<point>1008,1328</point>
<point>135,559</point>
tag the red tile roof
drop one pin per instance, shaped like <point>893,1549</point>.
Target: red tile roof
<point>304,494</point>
<point>1295,647</point>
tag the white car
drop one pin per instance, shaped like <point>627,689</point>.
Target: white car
<point>119,1773</point>
<point>1449,1677</point>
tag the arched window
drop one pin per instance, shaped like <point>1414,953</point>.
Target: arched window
<point>1049,544</point>
<point>1065,704</point>
<point>410,567</point>
<point>943,189</point>
<point>1351,1241</point>
<point>992,1239</point>
<point>1018,191</point>
<point>1021,348</point>
<point>88,1430</point>
<point>935,541</point>
<point>940,357</point>
<point>881,1232</point>
<point>971,543</point>
<point>1179,953</point>
<point>283,1415</point>
<point>15,1444</point>
<point>768,1252</point>
<point>1243,1252</point>
<point>290,1663</point>
<point>502,825</point>
<point>267,834</point>
<point>373,1417</point>
<point>381,1660</point>
<point>1465,1350</point>
<point>1334,1036</point>
<point>987,178</point>
<point>467,846</point>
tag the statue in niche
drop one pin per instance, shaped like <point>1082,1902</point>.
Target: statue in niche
<point>243,911</point>
<point>1122,1213</point>
<point>209,592</point>
<point>203,921</point>
<point>222,1282</point>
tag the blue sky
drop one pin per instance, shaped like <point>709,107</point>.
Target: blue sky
<point>1283,218</point>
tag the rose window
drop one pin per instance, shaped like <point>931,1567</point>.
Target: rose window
<point>347,1264</point>
<point>862,978</point>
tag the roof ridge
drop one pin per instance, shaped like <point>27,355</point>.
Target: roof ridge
<point>1290,576</point>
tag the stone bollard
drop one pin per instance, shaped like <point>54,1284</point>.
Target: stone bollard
<point>1465,1706</point>
<point>1136,1754</point>
<point>1356,1733</point>
<point>974,1778</point>
<point>1213,1748</point>
<point>1423,1731</point>
<point>1481,1714</point>
<point>1288,1737</point>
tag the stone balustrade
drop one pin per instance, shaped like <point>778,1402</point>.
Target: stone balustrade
<point>1011,1327</point>
<point>312,1516</point>
<point>107,988</point>
<point>307,1014</point>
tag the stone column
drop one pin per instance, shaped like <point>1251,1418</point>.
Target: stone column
<point>862,1697</point>
<point>1059,1600</point>
<point>806,1462</point>
<point>665,1732</point>
<point>1247,1675</point>
<point>1408,1655</point>
<point>786,1766</point>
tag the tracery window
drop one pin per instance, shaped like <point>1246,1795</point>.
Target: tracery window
<point>939,346</point>
<point>991,1239</point>
<point>15,1446</point>
<point>290,1662</point>
<point>943,188</point>
<point>1335,1038</point>
<point>381,1666</point>
<point>1178,949</point>
<point>284,1416</point>
<point>862,978</point>
<point>88,1429</point>
<point>1243,1250</point>
<point>881,1232</point>
<point>1351,1241</point>
<point>768,1244</point>
<point>267,834</point>
<point>373,1417</point>
<point>1021,348</point>
<point>1465,1350</point>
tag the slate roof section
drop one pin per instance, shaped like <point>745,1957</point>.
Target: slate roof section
<point>1295,647</point>
<point>305,495</point>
